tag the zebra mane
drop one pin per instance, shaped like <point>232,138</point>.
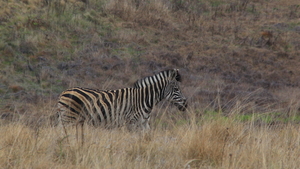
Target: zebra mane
<point>178,76</point>
<point>171,73</point>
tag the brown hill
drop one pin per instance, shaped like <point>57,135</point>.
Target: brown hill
<point>230,53</point>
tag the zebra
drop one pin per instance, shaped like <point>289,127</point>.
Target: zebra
<point>130,107</point>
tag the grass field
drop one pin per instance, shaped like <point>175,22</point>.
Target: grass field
<point>212,141</point>
<point>239,60</point>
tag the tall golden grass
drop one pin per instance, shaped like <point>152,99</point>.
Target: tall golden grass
<point>214,142</point>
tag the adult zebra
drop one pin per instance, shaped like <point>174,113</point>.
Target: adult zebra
<point>114,108</point>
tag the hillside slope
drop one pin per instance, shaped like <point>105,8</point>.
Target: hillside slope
<point>230,53</point>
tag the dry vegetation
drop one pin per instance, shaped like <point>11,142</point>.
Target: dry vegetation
<point>239,60</point>
<point>183,141</point>
<point>214,142</point>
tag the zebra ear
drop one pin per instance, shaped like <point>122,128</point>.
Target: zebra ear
<point>177,75</point>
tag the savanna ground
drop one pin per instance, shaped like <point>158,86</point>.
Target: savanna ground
<point>240,66</point>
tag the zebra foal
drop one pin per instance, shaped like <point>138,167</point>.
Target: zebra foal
<point>130,107</point>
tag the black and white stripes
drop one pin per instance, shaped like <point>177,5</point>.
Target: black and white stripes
<point>128,106</point>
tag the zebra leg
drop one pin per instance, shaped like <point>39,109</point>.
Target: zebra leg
<point>82,134</point>
<point>64,128</point>
<point>146,132</point>
<point>131,127</point>
<point>77,132</point>
<point>145,124</point>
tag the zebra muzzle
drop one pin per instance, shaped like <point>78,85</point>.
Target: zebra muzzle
<point>182,107</point>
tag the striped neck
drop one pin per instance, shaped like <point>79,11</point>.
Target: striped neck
<point>153,87</point>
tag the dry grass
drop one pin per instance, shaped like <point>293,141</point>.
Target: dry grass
<point>214,142</point>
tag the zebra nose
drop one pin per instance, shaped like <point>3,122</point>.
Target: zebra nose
<point>183,106</point>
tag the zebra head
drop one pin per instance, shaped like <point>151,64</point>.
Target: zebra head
<point>172,91</point>
<point>164,85</point>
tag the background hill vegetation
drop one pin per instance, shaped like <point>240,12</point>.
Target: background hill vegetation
<point>240,65</point>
